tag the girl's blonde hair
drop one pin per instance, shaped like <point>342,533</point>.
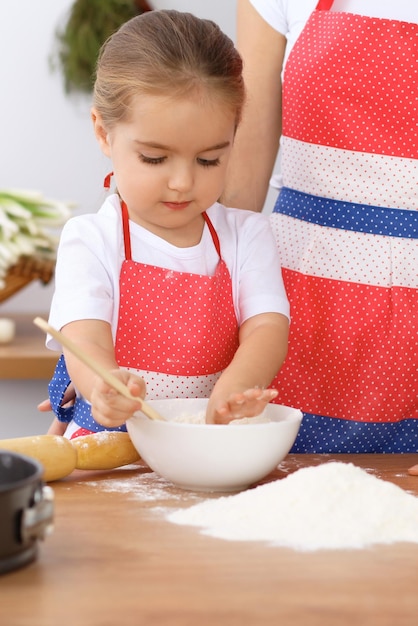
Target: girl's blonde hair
<point>166,53</point>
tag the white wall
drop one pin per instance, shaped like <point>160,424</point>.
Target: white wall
<point>47,143</point>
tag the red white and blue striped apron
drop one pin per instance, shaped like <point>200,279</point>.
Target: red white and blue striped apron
<point>346,222</point>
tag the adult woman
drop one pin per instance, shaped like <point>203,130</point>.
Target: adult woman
<point>346,218</point>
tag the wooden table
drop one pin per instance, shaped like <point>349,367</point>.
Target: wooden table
<point>114,560</point>
<point>26,357</point>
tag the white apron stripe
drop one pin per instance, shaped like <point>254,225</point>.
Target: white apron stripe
<point>346,255</point>
<point>374,179</point>
<point>161,386</point>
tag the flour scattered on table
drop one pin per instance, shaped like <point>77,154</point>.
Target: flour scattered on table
<point>332,506</point>
<point>144,486</point>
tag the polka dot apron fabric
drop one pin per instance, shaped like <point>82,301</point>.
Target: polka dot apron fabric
<point>346,222</point>
<point>177,330</point>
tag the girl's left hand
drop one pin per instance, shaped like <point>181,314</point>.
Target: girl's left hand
<point>249,403</point>
<point>413,470</point>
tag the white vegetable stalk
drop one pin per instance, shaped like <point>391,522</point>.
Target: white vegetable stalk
<point>26,220</point>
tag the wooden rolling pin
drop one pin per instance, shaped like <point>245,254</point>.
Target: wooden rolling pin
<point>60,456</point>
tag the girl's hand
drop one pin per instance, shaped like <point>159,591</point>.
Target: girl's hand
<point>413,470</point>
<point>250,403</point>
<point>109,407</point>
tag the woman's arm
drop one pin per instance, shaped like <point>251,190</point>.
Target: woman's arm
<point>257,140</point>
<point>241,391</point>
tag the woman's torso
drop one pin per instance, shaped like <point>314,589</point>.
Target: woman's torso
<point>346,222</point>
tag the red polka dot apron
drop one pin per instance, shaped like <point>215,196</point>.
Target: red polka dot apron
<point>177,330</point>
<point>346,222</point>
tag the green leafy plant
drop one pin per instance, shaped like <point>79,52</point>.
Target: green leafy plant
<point>89,24</point>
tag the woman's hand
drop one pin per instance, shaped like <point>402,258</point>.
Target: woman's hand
<point>68,400</point>
<point>250,403</point>
<point>108,407</point>
<point>57,427</point>
<point>413,470</point>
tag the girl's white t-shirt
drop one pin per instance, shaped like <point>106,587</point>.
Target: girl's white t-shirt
<point>91,252</point>
<point>289,17</point>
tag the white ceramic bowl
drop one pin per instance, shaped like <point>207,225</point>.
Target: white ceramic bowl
<point>212,457</point>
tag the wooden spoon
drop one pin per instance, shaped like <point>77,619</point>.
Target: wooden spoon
<point>109,378</point>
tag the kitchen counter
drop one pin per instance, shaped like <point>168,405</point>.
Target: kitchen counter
<point>26,357</point>
<point>114,560</point>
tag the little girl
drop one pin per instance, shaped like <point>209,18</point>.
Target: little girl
<point>169,290</point>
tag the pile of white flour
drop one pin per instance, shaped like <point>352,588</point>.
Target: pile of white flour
<point>332,506</point>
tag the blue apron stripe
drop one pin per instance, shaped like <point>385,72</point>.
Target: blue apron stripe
<point>361,218</point>
<point>330,435</point>
<point>80,412</point>
<point>83,418</point>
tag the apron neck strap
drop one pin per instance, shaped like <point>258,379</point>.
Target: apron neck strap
<point>127,236</point>
<point>213,232</point>
<point>126,233</point>
<point>324,5</point>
